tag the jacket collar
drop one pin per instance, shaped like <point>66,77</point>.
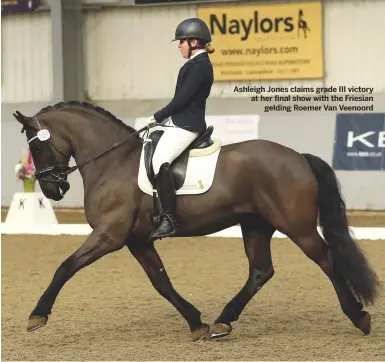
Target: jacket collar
<point>199,51</point>
<point>196,58</point>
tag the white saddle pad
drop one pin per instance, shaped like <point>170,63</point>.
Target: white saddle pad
<point>199,173</point>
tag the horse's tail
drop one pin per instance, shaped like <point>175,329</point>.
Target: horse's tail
<point>347,256</point>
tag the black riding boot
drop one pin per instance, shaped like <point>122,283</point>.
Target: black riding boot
<point>166,192</point>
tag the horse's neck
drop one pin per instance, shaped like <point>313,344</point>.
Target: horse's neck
<point>90,136</point>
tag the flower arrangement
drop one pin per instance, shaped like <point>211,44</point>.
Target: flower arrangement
<point>25,171</point>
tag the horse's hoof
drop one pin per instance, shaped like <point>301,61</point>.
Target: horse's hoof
<point>200,333</point>
<point>219,330</point>
<point>36,322</point>
<point>365,323</point>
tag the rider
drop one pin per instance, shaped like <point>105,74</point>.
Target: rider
<point>185,114</point>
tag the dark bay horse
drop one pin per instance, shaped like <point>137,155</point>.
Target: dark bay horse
<point>261,185</point>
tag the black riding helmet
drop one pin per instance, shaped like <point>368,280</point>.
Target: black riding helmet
<point>193,28</point>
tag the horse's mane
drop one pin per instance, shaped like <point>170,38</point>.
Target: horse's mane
<point>86,105</point>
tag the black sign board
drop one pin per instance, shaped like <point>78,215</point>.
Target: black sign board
<point>18,6</point>
<point>359,142</point>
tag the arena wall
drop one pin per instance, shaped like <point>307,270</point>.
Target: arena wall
<point>26,70</point>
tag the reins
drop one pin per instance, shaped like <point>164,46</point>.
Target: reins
<point>112,147</point>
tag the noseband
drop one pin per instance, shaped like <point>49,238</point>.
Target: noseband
<point>60,172</point>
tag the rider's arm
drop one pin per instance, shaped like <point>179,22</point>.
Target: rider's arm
<point>193,81</point>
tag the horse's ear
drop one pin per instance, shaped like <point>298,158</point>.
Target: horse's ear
<point>22,119</point>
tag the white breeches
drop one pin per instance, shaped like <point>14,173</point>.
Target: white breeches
<point>172,143</point>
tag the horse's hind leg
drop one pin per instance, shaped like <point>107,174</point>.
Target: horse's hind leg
<point>316,249</point>
<point>257,234</point>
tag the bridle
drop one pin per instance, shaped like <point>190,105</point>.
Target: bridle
<point>60,172</point>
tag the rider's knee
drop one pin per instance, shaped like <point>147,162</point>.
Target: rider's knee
<point>157,162</point>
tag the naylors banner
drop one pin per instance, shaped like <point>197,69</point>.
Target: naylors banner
<point>275,41</point>
<point>18,6</point>
<point>359,142</point>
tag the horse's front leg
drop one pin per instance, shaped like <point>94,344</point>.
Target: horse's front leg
<point>149,259</point>
<point>99,243</point>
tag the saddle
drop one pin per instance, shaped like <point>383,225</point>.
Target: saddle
<point>179,166</point>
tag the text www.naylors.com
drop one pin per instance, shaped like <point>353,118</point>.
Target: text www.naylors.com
<point>260,51</point>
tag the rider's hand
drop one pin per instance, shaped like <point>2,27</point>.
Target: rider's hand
<point>151,121</point>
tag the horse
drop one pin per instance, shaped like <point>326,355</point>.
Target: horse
<point>258,184</point>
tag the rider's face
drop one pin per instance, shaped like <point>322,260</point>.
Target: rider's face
<point>183,47</point>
